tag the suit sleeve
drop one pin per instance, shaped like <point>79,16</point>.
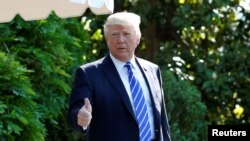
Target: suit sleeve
<point>80,90</point>
<point>164,117</point>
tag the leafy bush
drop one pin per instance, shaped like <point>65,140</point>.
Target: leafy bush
<point>20,116</point>
<point>185,109</point>
<point>36,76</point>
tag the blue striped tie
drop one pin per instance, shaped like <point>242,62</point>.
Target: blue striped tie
<point>139,104</point>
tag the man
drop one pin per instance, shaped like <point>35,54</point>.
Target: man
<point>120,97</point>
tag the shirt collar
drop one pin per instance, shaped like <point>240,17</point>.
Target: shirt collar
<point>120,64</point>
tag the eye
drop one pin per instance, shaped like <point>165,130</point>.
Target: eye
<point>114,34</point>
<point>127,34</point>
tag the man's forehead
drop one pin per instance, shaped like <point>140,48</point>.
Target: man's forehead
<point>120,27</point>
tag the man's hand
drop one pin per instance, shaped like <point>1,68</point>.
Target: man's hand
<point>85,114</point>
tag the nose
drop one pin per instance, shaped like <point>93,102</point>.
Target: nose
<point>121,38</point>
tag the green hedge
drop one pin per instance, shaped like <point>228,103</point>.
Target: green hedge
<point>20,115</point>
<point>185,109</point>
<point>38,59</point>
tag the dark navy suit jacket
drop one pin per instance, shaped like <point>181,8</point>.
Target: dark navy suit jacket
<point>113,118</point>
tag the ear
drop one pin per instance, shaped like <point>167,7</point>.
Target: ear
<point>138,41</point>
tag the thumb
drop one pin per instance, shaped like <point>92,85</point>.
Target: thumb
<point>88,105</point>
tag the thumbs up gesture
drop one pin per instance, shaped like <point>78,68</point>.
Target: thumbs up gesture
<point>85,114</point>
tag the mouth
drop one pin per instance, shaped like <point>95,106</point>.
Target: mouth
<point>121,48</point>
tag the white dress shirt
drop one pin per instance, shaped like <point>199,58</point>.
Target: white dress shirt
<point>138,74</point>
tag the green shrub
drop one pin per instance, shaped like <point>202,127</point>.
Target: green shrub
<point>20,116</point>
<point>36,76</point>
<point>185,109</point>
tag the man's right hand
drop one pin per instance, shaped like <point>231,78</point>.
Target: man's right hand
<point>85,114</point>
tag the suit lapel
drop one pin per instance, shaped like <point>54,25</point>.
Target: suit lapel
<point>150,75</point>
<point>111,73</point>
<point>152,82</point>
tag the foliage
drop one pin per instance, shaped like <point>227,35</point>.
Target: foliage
<point>218,57</point>
<point>50,49</point>
<point>185,109</point>
<point>19,113</point>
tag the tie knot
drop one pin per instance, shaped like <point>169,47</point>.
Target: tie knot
<point>128,65</point>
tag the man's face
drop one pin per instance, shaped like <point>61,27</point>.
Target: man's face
<point>122,41</point>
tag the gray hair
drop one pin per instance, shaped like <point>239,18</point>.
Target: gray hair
<point>123,18</point>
